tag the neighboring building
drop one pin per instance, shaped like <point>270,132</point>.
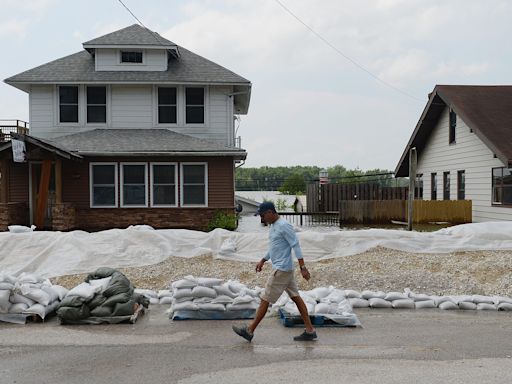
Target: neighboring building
<point>133,129</point>
<point>464,144</point>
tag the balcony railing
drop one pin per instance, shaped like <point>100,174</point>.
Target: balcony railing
<point>9,126</point>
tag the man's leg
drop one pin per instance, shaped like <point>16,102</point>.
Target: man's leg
<point>260,314</point>
<point>303,313</point>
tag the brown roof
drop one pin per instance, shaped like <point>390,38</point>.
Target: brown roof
<point>486,109</point>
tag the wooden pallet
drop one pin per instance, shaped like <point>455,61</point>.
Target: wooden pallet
<point>319,321</point>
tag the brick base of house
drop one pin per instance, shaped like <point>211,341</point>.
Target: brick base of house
<point>14,213</point>
<point>67,217</point>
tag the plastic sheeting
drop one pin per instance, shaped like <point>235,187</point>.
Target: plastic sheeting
<point>60,253</point>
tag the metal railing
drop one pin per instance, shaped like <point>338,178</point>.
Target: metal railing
<point>312,218</point>
<point>9,126</point>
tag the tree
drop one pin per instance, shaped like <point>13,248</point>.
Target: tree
<point>294,185</point>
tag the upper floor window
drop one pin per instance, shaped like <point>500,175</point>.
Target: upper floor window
<point>418,187</point>
<point>103,177</point>
<point>446,186</point>
<point>453,124</point>
<point>96,104</point>
<point>131,57</point>
<point>461,185</point>
<point>68,104</point>
<point>502,185</point>
<point>194,184</point>
<point>433,186</point>
<point>194,105</point>
<point>167,105</point>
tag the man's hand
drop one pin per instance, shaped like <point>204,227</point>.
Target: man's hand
<point>259,266</point>
<point>305,273</point>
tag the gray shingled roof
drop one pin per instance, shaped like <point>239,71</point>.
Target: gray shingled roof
<point>112,142</point>
<point>132,36</point>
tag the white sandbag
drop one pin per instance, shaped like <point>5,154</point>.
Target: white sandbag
<point>486,307</point>
<point>16,298</point>
<point>351,294</point>
<point>320,292</point>
<point>373,294</point>
<point>403,304</point>
<point>155,300</point>
<point>442,299</point>
<point>502,299</point>
<point>467,305</point>
<point>148,293</point>
<point>164,300</point>
<point>36,309</point>
<point>326,308</point>
<point>479,299</point>
<point>419,296</point>
<point>25,277</point>
<point>4,300</point>
<point>4,285</point>
<point>222,299</point>
<point>379,303</point>
<point>212,307</point>
<point>283,299</point>
<point>307,298</point>
<point>61,291</point>
<point>182,292</point>
<point>102,283</point>
<point>505,307</point>
<point>208,281</point>
<point>164,293</point>
<point>241,307</point>
<point>223,290</point>
<point>235,286</point>
<point>6,278</point>
<point>18,308</point>
<point>448,305</point>
<point>461,298</point>
<point>53,293</point>
<point>202,300</point>
<point>392,296</point>
<point>85,290</point>
<point>424,304</point>
<point>200,291</point>
<point>20,228</point>
<point>358,303</point>
<point>338,295</point>
<point>243,299</point>
<point>185,306</point>
<point>186,282</point>
<point>38,295</point>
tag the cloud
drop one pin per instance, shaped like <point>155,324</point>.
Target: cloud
<point>14,28</point>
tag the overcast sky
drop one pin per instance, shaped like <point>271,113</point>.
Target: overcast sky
<point>310,105</point>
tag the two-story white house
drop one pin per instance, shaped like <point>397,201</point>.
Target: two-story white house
<point>464,144</point>
<point>133,129</point>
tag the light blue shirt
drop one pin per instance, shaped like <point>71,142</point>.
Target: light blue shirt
<point>282,239</point>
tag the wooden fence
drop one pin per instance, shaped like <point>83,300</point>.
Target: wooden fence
<point>424,211</point>
<point>327,197</point>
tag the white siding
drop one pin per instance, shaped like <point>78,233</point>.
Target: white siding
<point>109,60</point>
<point>41,110</point>
<point>470,154</point>
<point>131,106</point>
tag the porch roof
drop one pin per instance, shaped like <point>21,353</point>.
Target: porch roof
<point>44,144</point>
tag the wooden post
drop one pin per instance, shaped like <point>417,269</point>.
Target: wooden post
<point>4,177</point>
<point>42,198</point>
<point>58,181</point>
<point>412,184</point>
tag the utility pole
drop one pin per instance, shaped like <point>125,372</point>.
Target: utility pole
<point>412,184</point>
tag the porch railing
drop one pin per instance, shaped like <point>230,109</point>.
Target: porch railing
<point>9,126</point>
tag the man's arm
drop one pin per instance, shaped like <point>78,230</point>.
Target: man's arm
<point>291,237</point>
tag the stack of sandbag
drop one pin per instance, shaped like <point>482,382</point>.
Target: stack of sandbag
<point>106,296</point>
<point>163,296</point>
<point>210,298</point>
<point>328,302</point>
<point>26,295</point>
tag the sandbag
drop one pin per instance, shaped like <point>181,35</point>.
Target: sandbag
<point>101,311</point>
<point>448,305</point>
<point>379,303</point>
<point>122,297</point>
<point>392,296</point>
<point>224,291</point>
<point>467,305</point>
<point>118,284</point>
<point>403,304</point>
<point>486,307</point>
<point>199,291</point>
<point>124,309</point>
<point>371,294</point>
<point>72,301</point>
<point>96,301</point>
<point>74,313</point>
<point>4,301</point>
<point>424,304</point>
<point>505,307</point>
<point>358,303</point>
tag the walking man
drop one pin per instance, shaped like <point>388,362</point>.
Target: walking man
<point>282,239</point>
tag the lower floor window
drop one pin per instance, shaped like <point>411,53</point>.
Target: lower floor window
<point>194,184</point>
<point>103,181</point>
<point>502,185</point>
<point>134,185</point>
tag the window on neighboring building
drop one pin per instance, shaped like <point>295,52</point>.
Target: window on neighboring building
<point>134,185</point>
<point>446,186</point>
<point>68,104</point>
<point>194,184</point>
<point>461,185</point>
<point>103,181</point>
<point>166,105</point>
<point>502,185</point>
<point>131,57</point>
<point>453,124</point>
<point>194,108</point>
<point>96,104</point>
<point>433,186</point>
<point>163,185</point>
<point>418,187</point>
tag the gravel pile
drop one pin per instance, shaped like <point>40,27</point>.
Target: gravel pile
<point>476,272</point>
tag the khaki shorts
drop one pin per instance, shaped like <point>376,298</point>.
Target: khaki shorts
<point>279,282</point>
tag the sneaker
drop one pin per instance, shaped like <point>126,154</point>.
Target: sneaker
<point>243,331</point>
<point>306,336</point>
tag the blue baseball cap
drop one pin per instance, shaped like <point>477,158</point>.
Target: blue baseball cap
<point>264,207</point>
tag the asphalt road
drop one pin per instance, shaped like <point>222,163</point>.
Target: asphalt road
<point>393,346</point>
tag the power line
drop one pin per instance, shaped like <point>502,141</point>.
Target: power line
<point>345,55</point>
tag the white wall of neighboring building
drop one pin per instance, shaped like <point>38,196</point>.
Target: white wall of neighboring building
<point>468,153</point>
<point>131,107</point>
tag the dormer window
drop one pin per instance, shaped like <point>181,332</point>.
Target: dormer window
<point>133,57</point>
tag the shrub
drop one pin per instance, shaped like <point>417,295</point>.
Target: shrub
<point>223,220</point>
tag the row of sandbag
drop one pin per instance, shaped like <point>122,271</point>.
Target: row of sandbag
<point>212,294</point>
<point>28,294</point>
<point>412,300</point>
<point>106,296</point>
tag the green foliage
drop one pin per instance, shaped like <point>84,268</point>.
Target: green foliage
<point>223,220</point>
<point>293,185</point>
<point>280,205</point>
